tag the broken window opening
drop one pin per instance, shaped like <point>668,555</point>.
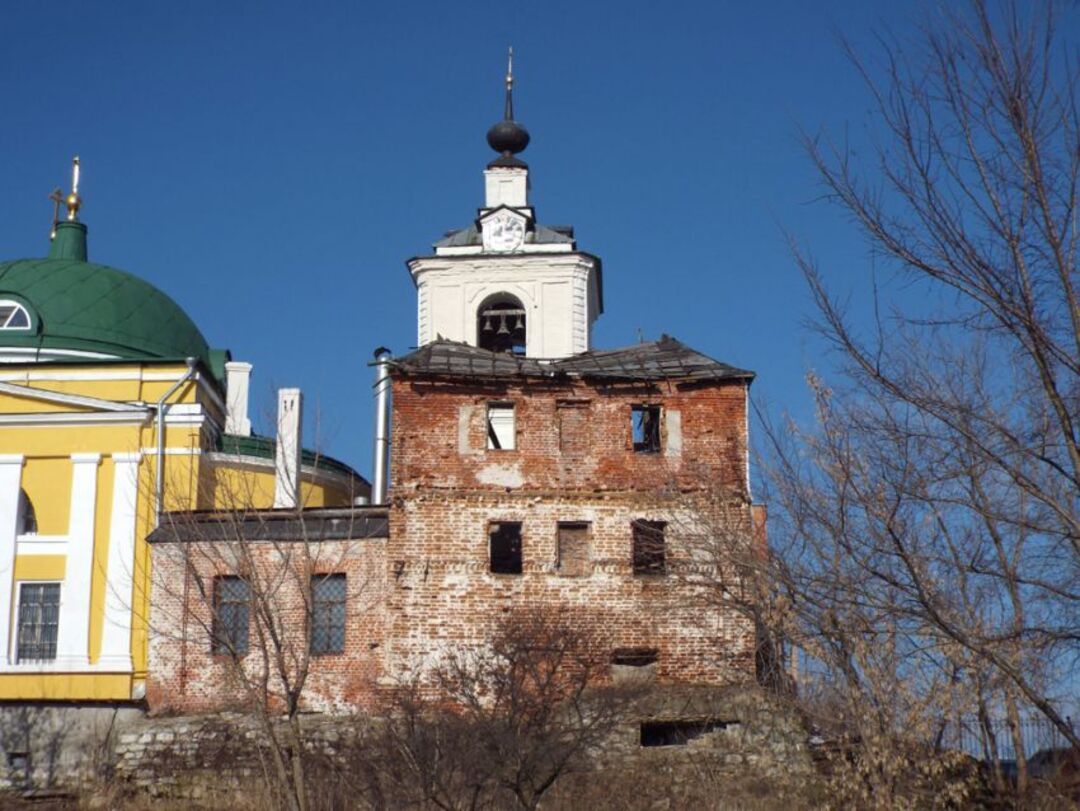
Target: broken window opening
<point>635,657</point>
<point>500,426</point>
<point>500,325</point>
<point>679,733</point>
<point>573,560</point>
<point>645,423</point>
<point>504,540</point>
<point>573,427</point>
<point>649,547</point>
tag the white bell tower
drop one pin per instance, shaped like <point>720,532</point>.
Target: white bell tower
<point>507,283</point>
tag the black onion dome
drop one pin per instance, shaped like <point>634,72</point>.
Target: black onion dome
<point>508,137</point>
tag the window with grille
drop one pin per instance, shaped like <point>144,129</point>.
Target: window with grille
<point>39,620</point>
<point>500,426</point>
<point>573,427</point>
<point>645,425</point>
<point>232,605</point>
<point>573,549</point>
<point>13,315</point>
<point>505,544</point>
<point>649,552</point>
<point>327,613</point>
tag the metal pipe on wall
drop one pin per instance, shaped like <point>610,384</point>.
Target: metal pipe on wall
<point>159,483</point>
<point>381,467</point>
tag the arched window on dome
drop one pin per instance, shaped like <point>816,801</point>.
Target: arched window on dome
<point>500,325</point>
<point>13,315</point>
<point>26,519</point>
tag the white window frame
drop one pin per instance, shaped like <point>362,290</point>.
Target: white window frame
<point>17,307</point>
<point>501,421</point>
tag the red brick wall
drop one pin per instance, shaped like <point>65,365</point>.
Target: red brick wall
<point>186,677</point>
<point>428,588</point>
<point>439,438</point>
<point>447,487</point>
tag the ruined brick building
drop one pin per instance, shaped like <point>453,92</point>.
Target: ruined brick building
<point>521,467</point>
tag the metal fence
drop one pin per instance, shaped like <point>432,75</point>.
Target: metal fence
<point>982,740</point>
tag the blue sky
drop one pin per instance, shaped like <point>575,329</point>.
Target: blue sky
<point>271,166</point>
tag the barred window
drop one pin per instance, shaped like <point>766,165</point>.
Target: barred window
<point>328,613</point>
<point>39,620</point>
<point>232,605</point>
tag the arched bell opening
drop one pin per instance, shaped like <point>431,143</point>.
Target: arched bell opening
<point>500,324</point>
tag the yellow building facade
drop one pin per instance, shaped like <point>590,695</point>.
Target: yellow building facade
<point>113,412</point>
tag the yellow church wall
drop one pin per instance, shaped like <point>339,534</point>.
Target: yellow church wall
<point>65,686</point>
<point>47,481</point>
<point>63,440</point>
<point>191,479</point>
<point>40,567</point>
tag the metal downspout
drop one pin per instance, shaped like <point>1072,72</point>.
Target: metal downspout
<point>159,482</point>
<point>381,473</point>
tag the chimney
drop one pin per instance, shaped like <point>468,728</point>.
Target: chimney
<point>287,457</point>
<point>381,471</point>
<point>237,382</point>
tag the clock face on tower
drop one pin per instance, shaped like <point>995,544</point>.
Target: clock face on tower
<point>503,232</point>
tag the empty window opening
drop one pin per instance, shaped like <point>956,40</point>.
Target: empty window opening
<point>635,657</point>
<point>232,601</point>
<point>500,426</point>
<point>500,325</point>
<point>13,315</point>
<point>328,613</point>
<point>679,733</point>
<point>39,620</point>
<point>649,547</point>
<point>645,423</point>
<point>573,427</point>
<point>573,558</point>
<point>505,543</point>
<point>27,518</point>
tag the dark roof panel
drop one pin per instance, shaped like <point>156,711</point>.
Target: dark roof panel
<point>665,359</point>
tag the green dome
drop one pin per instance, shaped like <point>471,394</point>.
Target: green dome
<point>83,307</point>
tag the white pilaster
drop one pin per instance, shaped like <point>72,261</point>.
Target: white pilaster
<point>237,384</point>
<point>10,483</point>
<point>120,574</point>
<point>73,635</point>
<point>287,457</point>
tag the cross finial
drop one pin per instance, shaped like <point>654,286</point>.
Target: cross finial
<point>509,114</point>
<point>73,200</point>
<point>57,197</point>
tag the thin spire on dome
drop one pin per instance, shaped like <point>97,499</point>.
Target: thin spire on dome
<point>73,200</point>
<point>508,137</point>
<point>508,115</point>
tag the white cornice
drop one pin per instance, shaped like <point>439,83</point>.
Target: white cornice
<point>61,419</point>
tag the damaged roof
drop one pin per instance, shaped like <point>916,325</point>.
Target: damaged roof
<point>665,359</point>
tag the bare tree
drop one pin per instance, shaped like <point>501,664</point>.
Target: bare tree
<point>245,603</point>
<point>929,525</point>
<point>503,722</point>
